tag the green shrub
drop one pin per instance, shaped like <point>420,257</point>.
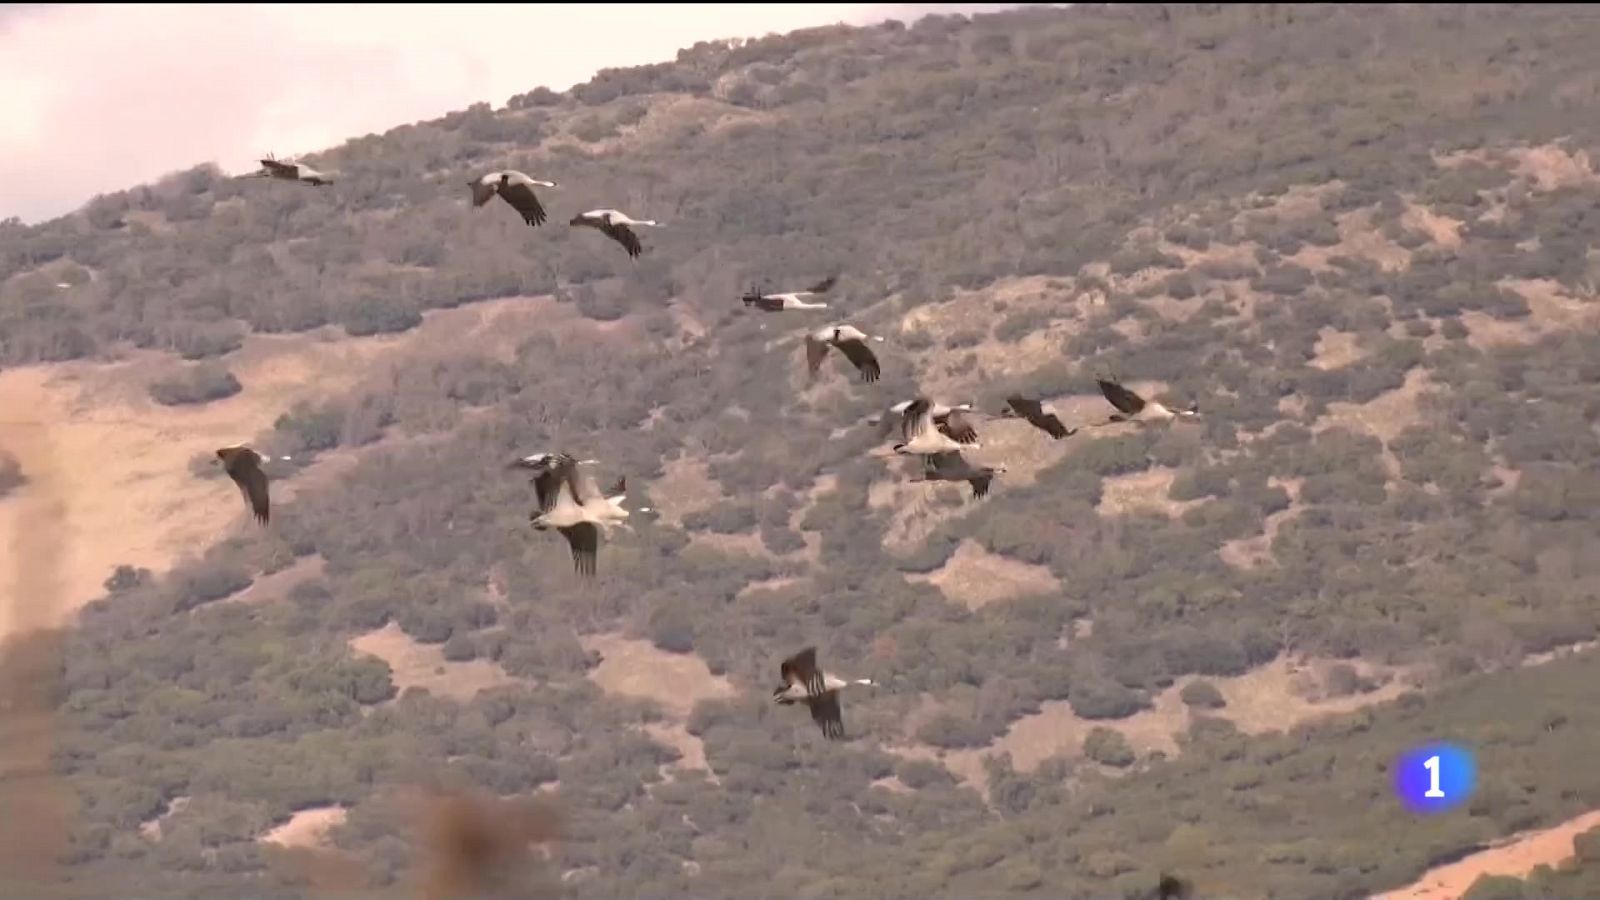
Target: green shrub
<point>199,384</point>
<point>460,648</point>
<point>1102,699</point>
<point>1202,694</point>
<point>1108,747</point>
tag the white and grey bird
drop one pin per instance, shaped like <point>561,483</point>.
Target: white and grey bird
<point>546,482</point>
<point>920,435</point>
<point>790,299</point>
<point>850,341</point>
<point>577,510</point>
<point>952,466</point>
<point>1133,408</point>
<point>616,495</point>
<point>950,420</point>
<point>804,683</point>
<point>1040,415</point>
<point>288,170</point>
<point>513,187</point>
<point>615,225</point>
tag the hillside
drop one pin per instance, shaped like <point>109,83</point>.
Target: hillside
<point>1361,237</point>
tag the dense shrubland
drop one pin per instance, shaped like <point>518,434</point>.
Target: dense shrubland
<point>946,155</point>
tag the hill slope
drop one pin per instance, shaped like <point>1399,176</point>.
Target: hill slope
<point>1361,237</point>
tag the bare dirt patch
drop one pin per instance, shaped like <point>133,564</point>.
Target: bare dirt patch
<point>1234,254</point>
<point>1551,307</point>
<point>424,665</point>
<point>1336,349</point>
<point>892,784</point>
<point>1359,238</point>
<point>1056,730</point>
<point>1503,480</point>
<point>1283,694</point>
<point>973,315</point>
<point>769,584</point>
<point>1442,230</point>
<point>685,486</point>
<point>634,668</point>
<point>139,504</point>
<point>1053,731</point>
<point>1485,332</point>
<point>1550,167</point>
<point>1297,202</point>
<point>1517,857</point>
<point>39,806</point>
<point>965,765</point>
<point>1274,697</point>
<point>306,828</point>
<point>1549,656</point>
<point>1124,494</point>
<point>1455,159</point>
<point>975,577</point>
<point>150,828</point>
<point>732,544</point>
<point>1384,417</point>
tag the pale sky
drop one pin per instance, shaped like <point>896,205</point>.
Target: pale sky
<point>99,98</point>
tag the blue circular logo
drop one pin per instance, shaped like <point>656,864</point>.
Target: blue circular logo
<point>1435,778</point>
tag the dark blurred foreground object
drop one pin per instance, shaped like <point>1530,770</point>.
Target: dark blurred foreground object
<point>1173,888</point>
<point>465,845</point>
<point>479,846</point>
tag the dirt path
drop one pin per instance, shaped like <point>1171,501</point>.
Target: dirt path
<point>1517,857</point>
<point>38,810</point>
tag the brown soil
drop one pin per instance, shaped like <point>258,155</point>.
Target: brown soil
<point>424,665</point>
<point>634,668</point>
<point>975,577</point>
<point>1517,857</point>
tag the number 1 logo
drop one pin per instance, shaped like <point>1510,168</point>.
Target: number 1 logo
<point>1435,777</point>
<point>1432,765</point>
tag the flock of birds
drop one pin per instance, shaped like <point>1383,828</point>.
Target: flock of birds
<point>570,501</point>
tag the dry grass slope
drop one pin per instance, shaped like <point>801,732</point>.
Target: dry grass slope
<point>424,666</point>
<point>634,668</point>
<point>975,577</point>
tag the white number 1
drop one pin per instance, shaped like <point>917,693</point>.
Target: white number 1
<point>1432,765</point>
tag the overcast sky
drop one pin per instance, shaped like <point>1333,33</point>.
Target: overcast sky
<point>98,98</point>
